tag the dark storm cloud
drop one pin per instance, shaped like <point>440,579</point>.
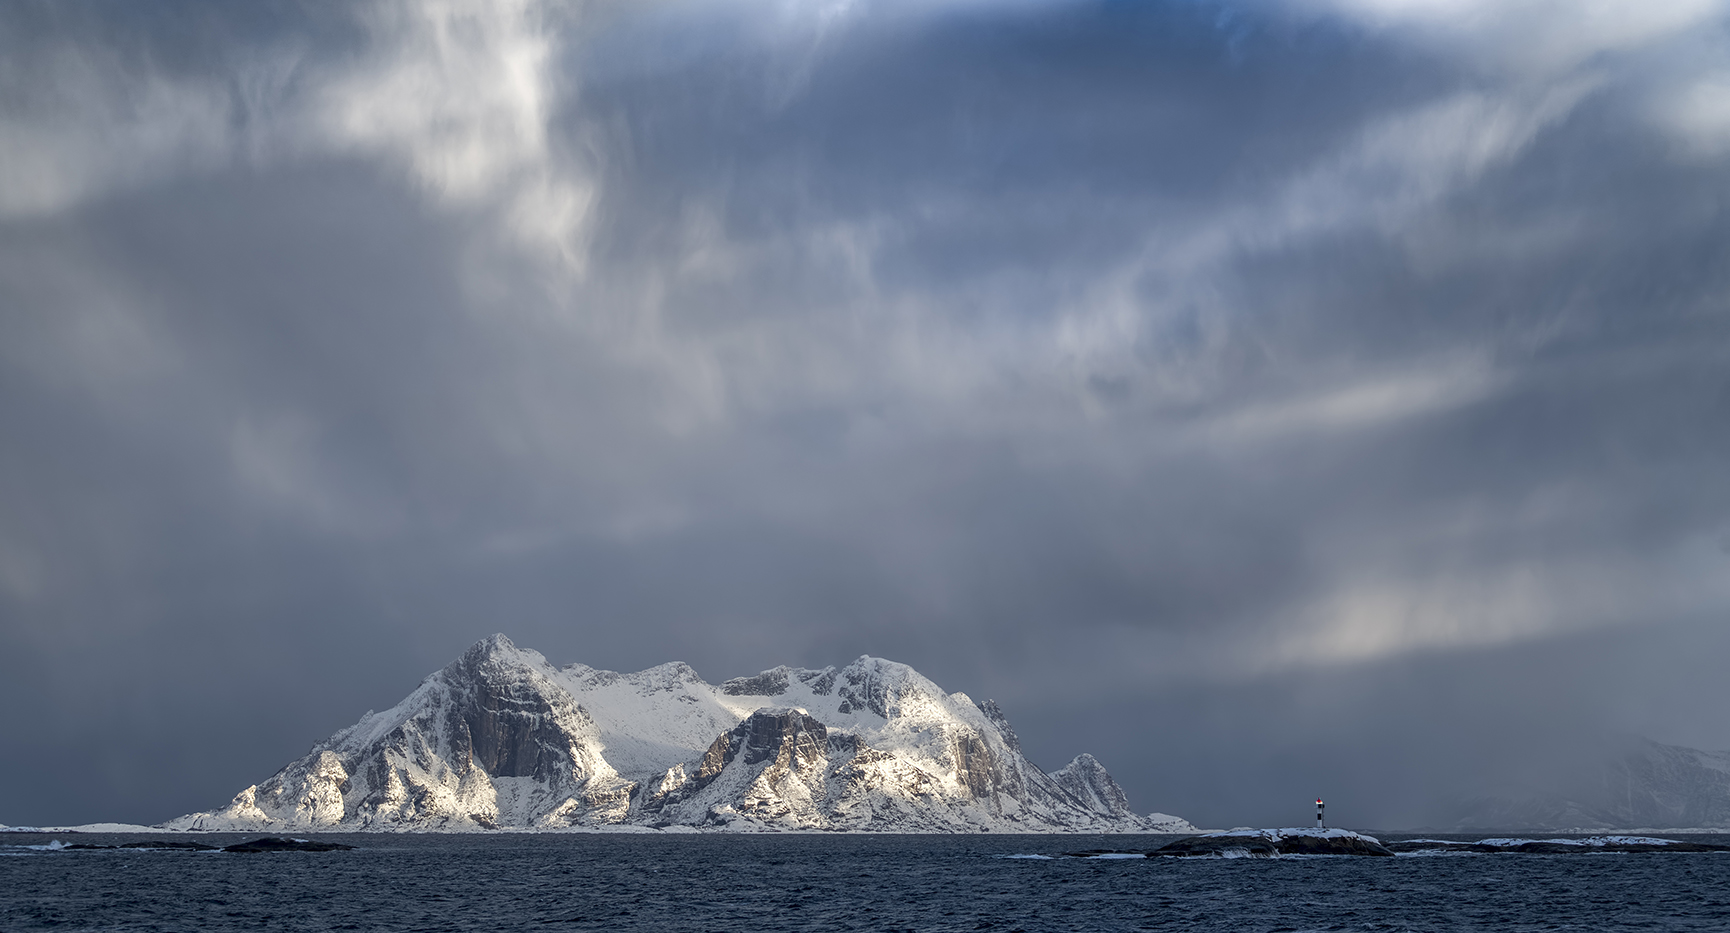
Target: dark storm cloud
<point>1231,391</point>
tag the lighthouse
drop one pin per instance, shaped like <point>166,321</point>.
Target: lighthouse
<point>1319,806</point>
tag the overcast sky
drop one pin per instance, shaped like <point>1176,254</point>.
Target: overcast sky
<point>1276,400</point>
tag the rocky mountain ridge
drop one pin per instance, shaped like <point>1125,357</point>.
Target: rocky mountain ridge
<point>1633,783</point>
<point>500,739</point>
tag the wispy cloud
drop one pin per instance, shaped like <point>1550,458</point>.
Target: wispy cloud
<point>1092,346</point>
<point>461,94</point>
<point>88,123</point>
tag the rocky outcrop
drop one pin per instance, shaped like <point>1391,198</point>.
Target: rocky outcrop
<point>1087,781</point>
<point>179,845</point>
<point>500,739</point>
<point>274,844</point>
<point>771,770</point>
<point>1265,843</point>
<point>1256,843</point>
<point>1570,846</point>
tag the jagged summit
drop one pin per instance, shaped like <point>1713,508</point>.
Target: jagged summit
<point>1087,780</point>
<point>497,651</point>
<point>499,738</point>
<point>496,644</point>
<point>868,684</point>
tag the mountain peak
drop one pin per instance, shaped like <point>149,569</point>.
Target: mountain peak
<point>492,646</point>
<point>1085,779</point>
<point>499,739</point>
<point>494,656</point>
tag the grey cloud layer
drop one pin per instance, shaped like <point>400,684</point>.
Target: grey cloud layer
<point>1093,357</point>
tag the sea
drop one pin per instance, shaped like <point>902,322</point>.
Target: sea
<point>700,882</point>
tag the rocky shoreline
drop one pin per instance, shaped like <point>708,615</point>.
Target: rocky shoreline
<point>1585,846</point>
<point>1273,843</point>
<point>265,844</point>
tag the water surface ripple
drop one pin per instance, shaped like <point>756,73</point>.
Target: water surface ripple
<point>835,883</point>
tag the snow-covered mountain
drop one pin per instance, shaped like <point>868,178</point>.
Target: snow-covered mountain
<point>501,739</point>
<point>1635,783</point>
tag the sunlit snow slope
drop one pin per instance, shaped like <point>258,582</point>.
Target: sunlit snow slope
<point>500,739</point>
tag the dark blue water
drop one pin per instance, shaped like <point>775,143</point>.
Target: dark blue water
<point>829,883</point>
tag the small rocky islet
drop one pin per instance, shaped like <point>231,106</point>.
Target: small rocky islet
<point>1257,843</point>
<point>264,844</point>
<point>1566,846</point>
<point>1272,843</point>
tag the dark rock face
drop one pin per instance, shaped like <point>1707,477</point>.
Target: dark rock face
<point>976,766</point>
<point>821,682</point>
<point>1318,845</point>
<point>767,684</point>
<point>1092,786</point>
<point>1208,845</point>
<point>494,718</point>
<point>787,737</point>
<point>506,722</point>
<point>994,713</point>
<point>771,743</point>
<point>776,681</point>
<point>865,689</point>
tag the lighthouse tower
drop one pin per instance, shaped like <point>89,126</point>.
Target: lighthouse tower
<point>1319,806</point>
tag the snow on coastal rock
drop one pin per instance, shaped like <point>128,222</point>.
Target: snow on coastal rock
<point>1562,846</point>
<point>501,739</point>
<point>80,828</point>
<point>1268,843</point>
